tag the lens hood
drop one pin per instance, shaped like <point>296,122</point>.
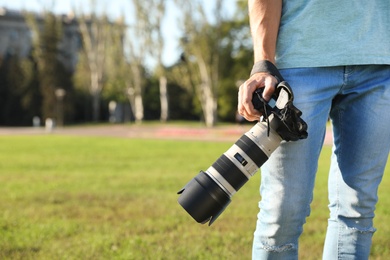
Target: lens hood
<point>203,199</point>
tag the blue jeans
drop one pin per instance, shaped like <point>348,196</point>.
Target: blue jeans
<point>357,100</point>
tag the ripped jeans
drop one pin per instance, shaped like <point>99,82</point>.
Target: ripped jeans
<point>357,100</point>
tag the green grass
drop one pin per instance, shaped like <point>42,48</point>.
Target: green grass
<point>111,198</point>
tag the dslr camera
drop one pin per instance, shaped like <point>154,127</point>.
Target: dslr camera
<point>207,195</point>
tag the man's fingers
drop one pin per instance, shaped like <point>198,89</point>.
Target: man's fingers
<point>269,87</point>
<point>245,105</point>
<point>245,94</point>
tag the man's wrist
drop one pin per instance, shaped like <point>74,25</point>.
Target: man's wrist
<point>268,67</point>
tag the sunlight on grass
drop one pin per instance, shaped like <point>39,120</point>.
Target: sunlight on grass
<point>110,198</point>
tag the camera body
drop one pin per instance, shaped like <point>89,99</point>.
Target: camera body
<point>207,195</point>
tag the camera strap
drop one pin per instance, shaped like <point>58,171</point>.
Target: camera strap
<point>264,110</point>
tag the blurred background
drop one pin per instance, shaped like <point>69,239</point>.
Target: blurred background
<point>111,64</point>
<point>122,60</point>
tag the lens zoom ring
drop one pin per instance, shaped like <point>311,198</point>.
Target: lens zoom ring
<point>252,150</point>
<point>230,172</point>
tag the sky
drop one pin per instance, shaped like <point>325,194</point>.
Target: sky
<point>115,8</point>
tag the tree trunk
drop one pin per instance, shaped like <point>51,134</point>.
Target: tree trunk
<point>95,92</point>
<point>207,96</point>
<point>134,92</point>
<point>139,108</point>
<point>164,99</point>
<point>94,38</point>
<point>209,105</point>
<point>95,106</point>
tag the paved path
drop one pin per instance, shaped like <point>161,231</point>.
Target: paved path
<point>220,133</point>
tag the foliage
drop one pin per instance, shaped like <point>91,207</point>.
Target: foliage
<point>238,59</point>
<point>107,60</point>
<point>224,47</point>
<point>151,100</point>
<point>182,103</point>
<point>51,72</point>
<point>149,17</point>
<point>201,43</point>
<point>108,198</point>
<point>20,103</point>
<point>117,66</point>
<point>95,31</point>
<point>215,57</point>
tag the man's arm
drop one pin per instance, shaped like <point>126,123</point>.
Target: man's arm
<point>264,17</point>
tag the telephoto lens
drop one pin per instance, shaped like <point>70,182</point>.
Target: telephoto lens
<point>207,195</point>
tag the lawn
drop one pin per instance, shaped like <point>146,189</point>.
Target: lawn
<point>68,197</point>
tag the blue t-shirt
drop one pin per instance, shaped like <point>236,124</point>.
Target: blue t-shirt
<point>321,33</point>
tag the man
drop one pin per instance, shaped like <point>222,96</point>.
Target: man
<point>335,55</point>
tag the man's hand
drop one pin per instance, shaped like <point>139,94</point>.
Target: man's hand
<point>245,94</point>
<point>264,19</point>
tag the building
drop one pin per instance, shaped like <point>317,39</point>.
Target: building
<point>16,37</point>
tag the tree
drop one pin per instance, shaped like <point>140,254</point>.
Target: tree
<point>117,67</point>
<point>155,17</point>
<point>52,75</point>
<point>20,94</point>
<point>137,46</point>
<point>117,72</point>
<point>95,31</point>
<point>202,49</point>
<point>144,39</point>
<point>237,60</point>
